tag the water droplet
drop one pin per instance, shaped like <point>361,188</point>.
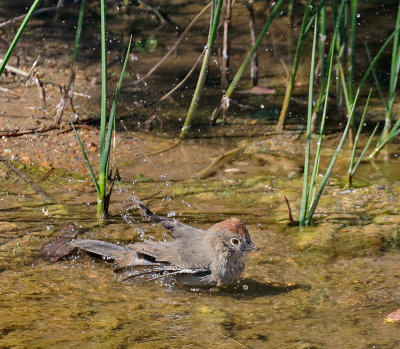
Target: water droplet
<point>245,287</point>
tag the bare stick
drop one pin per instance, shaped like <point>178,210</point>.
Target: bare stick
<point>20,18</point>
<point>182,82</point>
<point>41,91</point>
<point>34,186</point>
<point>6,90</point>
<point>165,149</point>
<point>67,89</point>
<point>218,162</point>
<point>27,76</point>
<point>285,68</point>
<point>290,219</point>
<point>43,129</point>
<point>182,36</point>
<point>148,8</point>
<point>226,45</point>
<point>32,68</point>
<point>254,58</point>
<point>15,70</point>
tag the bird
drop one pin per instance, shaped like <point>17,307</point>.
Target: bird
<point>195,257</point>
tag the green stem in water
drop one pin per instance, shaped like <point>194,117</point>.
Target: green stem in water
<point>304,199</point>
<point>103,163</point>
<point>351,170</point>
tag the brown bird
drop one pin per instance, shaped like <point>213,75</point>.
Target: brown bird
<point>193,256</point>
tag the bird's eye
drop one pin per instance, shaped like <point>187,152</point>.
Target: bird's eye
<point>235,241</point>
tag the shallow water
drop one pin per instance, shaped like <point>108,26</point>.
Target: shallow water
<point>328,286</point>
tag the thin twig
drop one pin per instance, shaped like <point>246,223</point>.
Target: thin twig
<point>285,68</point>
<point>177,42</point>
<point>169,93</point>
<point>234,340</point>
<point>148,8</point>
<point>6,90</point>
<point>43,129</point>
<point>46,175</point>
<point>165,149</point>
<point>290,219</point>
<point>226,45</point>
<point>252,27</point>
<point>218,162</point>
<point>15,70</point>
<point>20,18</point>
<point>22,175</point>
<point>28,75</point>
<point>65,95</point>
<point>35,63</point>
<point>41,91</point>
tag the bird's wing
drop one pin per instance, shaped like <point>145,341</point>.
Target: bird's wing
<point>183,253</point>
<point>122,256</point>
<point>179,229</point>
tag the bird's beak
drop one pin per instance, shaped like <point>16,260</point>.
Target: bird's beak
<point>249,246</point>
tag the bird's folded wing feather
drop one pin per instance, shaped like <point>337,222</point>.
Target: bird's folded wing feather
<point>180,252</point>
<point>123,256</point>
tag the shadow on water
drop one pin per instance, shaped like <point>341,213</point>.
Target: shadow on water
<point>249,289</point>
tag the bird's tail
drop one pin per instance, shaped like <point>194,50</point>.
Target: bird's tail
<point>102,248</point>
<point>122,256</point>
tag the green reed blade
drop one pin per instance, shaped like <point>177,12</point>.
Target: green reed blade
<point>313,180</point>
<point>18,35</point>
<point>78,30</point>
<point>377,83</point>
<point>377,56</point>
<point>293,73</point>
<point>346,91</point>
<point>86,158</point>
<point>317,156</point>
<point>304,198</point>
<point>111,120</point>
<point>354,150</point>
<point>214,20</point>
<point>394,66</point>
<point>353,7</point>
<point>103,113</point>
<point>314,203</point>
<point>365,149</point>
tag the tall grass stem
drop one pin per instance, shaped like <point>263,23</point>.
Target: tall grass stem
<point>214,19</point>
<point>18,35</point>
<point>304,199</point>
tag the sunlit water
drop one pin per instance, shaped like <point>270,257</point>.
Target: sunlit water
<point>329,286</point>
